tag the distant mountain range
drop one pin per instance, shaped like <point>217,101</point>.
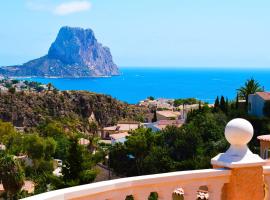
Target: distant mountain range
<point>75,53</point>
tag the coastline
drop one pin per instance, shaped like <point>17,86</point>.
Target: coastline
<point>136,83</point>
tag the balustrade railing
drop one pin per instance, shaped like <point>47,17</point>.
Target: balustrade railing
<point>141,187</point>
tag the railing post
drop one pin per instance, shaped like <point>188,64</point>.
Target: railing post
<point>246,181</point>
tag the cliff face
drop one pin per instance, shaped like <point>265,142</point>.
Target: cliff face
<point>74,53</point>
<point>29,109</point>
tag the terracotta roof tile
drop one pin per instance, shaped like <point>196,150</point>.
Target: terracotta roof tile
<point>264,95</point>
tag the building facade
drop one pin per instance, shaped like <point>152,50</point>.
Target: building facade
<point>256,103</point>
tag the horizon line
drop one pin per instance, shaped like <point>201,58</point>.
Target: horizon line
<point>196,67</point>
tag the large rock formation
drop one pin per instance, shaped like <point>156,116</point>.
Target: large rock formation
<point>74,53</point>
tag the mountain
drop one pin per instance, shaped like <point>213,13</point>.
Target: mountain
<point>75,53</point>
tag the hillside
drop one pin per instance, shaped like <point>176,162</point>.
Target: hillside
<point>29,109</point>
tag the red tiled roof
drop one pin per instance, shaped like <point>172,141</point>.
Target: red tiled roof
<point>119,136</point>
<point>264,137</point>
<point>264,95</point>
<point>83,141</point>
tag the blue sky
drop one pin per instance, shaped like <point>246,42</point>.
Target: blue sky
<point>144,32</point>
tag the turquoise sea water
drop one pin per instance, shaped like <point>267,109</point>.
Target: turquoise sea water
<point>138,83</point>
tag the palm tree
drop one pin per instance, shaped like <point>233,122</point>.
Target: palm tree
<point>11,175</point>
<point>251,86</point>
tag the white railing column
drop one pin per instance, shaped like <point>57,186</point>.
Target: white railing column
<point>246,181</point>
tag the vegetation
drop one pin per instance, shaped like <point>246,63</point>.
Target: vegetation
<point>41,147</point>
<point>30,109</point>
<point>11,176</point>
<point>151,98</point>
<point>189,147</point>
<point>250,87</point>
<point>266,109</point>
<point>187,101</point>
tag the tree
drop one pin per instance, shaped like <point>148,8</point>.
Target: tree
<point>50,147</point>
<point>49,85</point>
<point>222,104</point>
<point>266,109</point>
<point>6,128</point>
<point>73,166</point>
<point>216,105</point>
<point>93,128</point>
<point>155,116</point>
<point>34,146</point>
<point>250,87</point>
<point>237,102</point>
<point>151,98</point>
<point>12,90</point>
<point>226,105</point>
<point>138,146</point>
<point>11,175</point>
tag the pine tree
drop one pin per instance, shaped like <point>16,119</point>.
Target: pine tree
<point>12,176</point>
<point>222,104</point>
<point>73,165</point>
<point>216,105</point>
<point>237,102</point>
<point>155,116</point>
<point>226,105</point>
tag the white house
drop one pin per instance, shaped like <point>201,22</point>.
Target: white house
<point>161,124</point>
<point>118,138</point>
<point>256,103</point>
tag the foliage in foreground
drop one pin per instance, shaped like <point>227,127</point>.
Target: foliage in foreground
<point>188,147</point>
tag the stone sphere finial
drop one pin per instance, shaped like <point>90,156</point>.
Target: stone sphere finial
<point>239,132</point>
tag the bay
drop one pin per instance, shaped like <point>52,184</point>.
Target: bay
<point>137,83</point>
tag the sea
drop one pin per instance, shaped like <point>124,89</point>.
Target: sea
<point>137,83</point>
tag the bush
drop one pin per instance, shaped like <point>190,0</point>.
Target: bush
<point>87,176</point>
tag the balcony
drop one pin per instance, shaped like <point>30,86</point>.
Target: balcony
<point>238,174</point>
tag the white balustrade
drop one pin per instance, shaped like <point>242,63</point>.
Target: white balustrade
<point>141,187</point>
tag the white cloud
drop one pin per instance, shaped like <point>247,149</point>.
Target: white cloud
<point>72,7</point>
<point>65,8</point>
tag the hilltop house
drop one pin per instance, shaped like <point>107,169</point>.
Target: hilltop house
<point>121,127</point>
<point>256,103</point>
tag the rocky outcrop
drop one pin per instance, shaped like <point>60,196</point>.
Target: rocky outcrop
<point>75,53</point>
<point>29,109</point>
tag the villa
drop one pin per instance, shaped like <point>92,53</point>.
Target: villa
<point>121,127</point>
<point>161,124</point>
<point>118,138</point>
<point>160,103</point>
<point>237,174</point>
<point>168,115</point>
<point>256,103</point>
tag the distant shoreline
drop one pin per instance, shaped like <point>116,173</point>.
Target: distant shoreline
<point>59,77</point>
